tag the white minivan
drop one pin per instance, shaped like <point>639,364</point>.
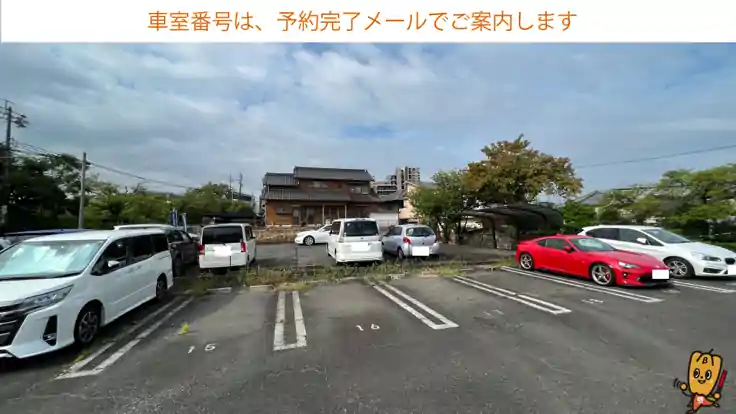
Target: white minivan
<point>355,240</point>
<point>61,289</point>
<point>224,246</point>
<point>684,257</point>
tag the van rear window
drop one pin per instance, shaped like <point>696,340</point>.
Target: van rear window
<point>222,235</point>
<point>361,228</point>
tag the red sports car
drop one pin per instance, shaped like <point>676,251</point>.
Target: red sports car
<point>591,258</point>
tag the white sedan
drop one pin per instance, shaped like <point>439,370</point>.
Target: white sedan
<point>310,237</point>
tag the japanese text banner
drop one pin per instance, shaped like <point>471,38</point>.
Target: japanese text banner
<point>53,21</point>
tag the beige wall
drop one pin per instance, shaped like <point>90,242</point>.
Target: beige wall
<point>407,213</point>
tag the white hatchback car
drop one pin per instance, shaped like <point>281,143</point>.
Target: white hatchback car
<point>411,240</point>
<point>317,236</point>
<point>60,289</point>
<point>355,240</point>
<point>684,257</point>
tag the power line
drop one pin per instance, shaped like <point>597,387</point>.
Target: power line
<point>39,151</point>
<point>658,157</point>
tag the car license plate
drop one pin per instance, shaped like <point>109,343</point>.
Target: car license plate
<point>732,270</point>
<point>660,274</point>
<point>360,247</point>
<point>420,251</point>
<point>223,251</point>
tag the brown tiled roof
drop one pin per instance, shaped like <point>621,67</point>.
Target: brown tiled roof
<point>342,174</point>
<point>288,194</point>
<point>279,179</point>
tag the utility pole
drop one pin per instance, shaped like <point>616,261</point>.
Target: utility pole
<point>82,190</point>
<point>240,186</point>
<point>230,185</point>
<point>20,121</point>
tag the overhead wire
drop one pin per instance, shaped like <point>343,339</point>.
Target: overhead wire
<point>657,157</point>
<point>34,150</point>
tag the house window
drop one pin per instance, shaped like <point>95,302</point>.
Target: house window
<point>359,189</point>
<point>319,184</point>
<point>283,210</point>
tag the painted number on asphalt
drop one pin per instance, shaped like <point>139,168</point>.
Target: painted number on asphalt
<point>207,348</point>
<point>592,301</point>
<point>373,327</point>
<point>673,291</point>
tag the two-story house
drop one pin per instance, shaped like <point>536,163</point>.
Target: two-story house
<point>313,196</point>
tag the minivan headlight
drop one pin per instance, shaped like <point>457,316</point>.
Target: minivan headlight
<point>705,257</point>
<point>46,299</point>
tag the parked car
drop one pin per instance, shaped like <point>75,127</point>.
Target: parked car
<point>685,258</point>
<point>224,246</point>
<point>411,240</point>
<point>61,289</point>
<point>355,240</point>
<point>183,247</point>
<point>316,236</point>
<point>591,258</point>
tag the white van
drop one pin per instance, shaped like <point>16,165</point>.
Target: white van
<point>222,246</point>
<point>355,240</point>
<point>60,289</point>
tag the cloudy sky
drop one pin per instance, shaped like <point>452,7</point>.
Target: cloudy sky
<point>188,114</point>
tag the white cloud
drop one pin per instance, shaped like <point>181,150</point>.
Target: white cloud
<point>193,113</point>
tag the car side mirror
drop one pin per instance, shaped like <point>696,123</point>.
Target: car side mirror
<point>112,264</point>
<point>642,240</point>
<point>569,249</point>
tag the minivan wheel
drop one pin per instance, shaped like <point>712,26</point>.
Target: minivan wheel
<point>87,325</point>
<point>308,241</point>
<point>162,289</point>
<point>679,268</point>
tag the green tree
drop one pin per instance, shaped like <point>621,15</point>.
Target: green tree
<point>577,216</point>
<point>513,172</point>
<point>442,206</point>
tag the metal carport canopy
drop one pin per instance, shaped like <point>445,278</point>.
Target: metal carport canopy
<point>537,214</point>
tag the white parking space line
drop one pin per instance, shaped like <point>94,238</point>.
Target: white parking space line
<point>384,290</point>
<point>702,287</point>
<point>504,293</point>
<point>608,291</point>
<point>75,370</point>
<point>279,342</point>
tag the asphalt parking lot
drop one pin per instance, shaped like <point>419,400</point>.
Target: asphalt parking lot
<point>292,255</point>
<point>484,342</point>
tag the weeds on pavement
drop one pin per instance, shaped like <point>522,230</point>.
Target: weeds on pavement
<point>290,279</point>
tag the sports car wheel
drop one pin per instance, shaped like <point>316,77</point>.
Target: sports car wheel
<point>602,274</point>
<point>308,241</point>
<point>526,261</point>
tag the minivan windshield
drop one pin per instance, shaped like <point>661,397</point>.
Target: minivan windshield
<point>47,259</point>
<point>222,235</point>
<point>361,228</point>
<point>665,236</point>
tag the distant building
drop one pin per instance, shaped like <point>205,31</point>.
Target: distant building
<point>397,182</point>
